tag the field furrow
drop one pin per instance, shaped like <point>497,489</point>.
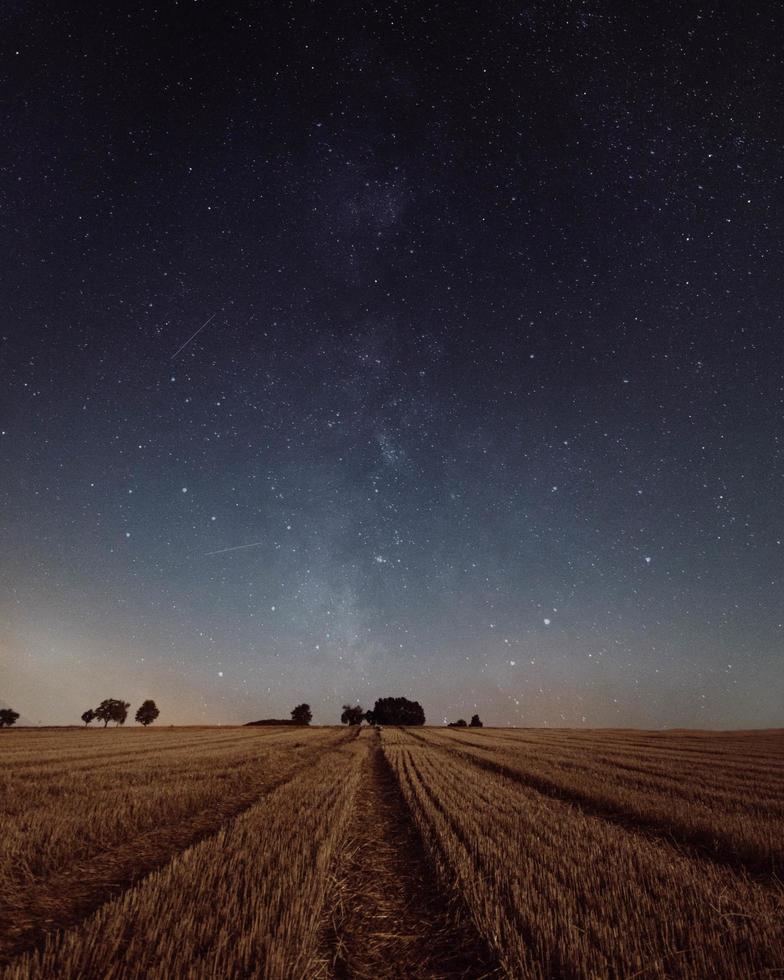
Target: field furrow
<point>562,893</point>
<point>758,754</point>
<point>735,774</point>
<point>389,917</point>
<point>246,901</point>
<point>425,853</point>
<point>83,844</point>
<point>742,831</point>
<point>71,815</point>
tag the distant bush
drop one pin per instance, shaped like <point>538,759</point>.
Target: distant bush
<point>460,723</point>
<point>271,721</point>
<point>475,722</point>
<point>8,717</point>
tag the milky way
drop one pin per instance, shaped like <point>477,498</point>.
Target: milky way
<point>351,352</point>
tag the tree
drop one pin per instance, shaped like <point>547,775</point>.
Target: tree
<point>460,723</point>
<point>475,722</point>
<point>370,717</point>
<point>7,717</point>
<point>398,711</point>
<point>147,713</point>
<point>111,709</point>
<point>88,716</point>
<point>302,715</point>
<point>352,716</point>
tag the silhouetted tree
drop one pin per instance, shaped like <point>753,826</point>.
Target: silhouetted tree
<point>147,713</point>
<point>352,716</point>
<point>88,716</point>
<point>460,723</point>
<point>475,722</point>
<point>370,717</point>
<point>302,715</point>
<point>7,717</point>
<point>111,709</point>
<point>398,711</point>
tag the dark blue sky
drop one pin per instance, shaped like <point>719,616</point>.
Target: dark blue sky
<point>489,409</point>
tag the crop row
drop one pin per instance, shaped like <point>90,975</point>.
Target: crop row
<point>64,834</point>
<point>740,825</point>
<point>247,901</point>
<point>558,892</point>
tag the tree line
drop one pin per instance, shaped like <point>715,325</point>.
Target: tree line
<point>110,709</point>
<point>397,711</point>
<point>386,711</point>
<point>476,722</point>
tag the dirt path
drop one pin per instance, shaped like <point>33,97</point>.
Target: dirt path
<point>390,919</point>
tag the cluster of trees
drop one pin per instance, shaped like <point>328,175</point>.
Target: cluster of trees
<point>112,709</point>
<point>386,711</point>
<point>475,722</point>
<point>7,717</point>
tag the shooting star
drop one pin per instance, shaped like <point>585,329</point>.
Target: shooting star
<point>194,336</point>
<point>237,547</point>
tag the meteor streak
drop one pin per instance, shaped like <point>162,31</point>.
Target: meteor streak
<point>237,547</point>
<point>193,336</point>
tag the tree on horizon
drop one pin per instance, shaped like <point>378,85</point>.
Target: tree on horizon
<point>112,709</point>
<point>88,716</point>
<point>352,716</point>
<point>8,717</point>
<point>398,711</point>
<point>147,713</point>
<point>475,722</point>
<point>302,715</point>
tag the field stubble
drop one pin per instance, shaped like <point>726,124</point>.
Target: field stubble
<point>325,853</point>
<point>567,893</point>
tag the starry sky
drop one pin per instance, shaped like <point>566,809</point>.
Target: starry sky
<point>353,350</point>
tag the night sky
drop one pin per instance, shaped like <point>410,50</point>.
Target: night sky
<point>354,350</point>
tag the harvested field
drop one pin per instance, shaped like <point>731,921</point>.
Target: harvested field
<point>386,907</point>
<point>422,853</point>
<point>116,806</point>
<point>690,787</point>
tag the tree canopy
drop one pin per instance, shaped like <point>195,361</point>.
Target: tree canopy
<point>88,716</point>
<point>147,713</point>
<point>352,716</point>
<point>112,709</point>
<point>398,711</point>
<point>8,717</point>
<point>475,722</point>
<point>302,715</point>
